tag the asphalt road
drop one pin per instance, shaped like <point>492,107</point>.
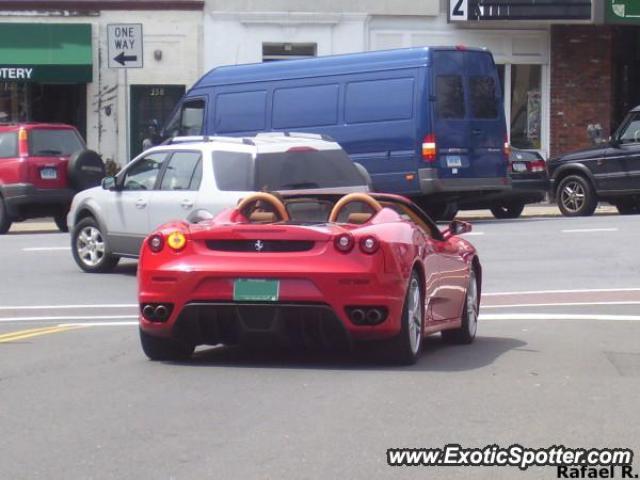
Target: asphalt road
<point>557,361</point>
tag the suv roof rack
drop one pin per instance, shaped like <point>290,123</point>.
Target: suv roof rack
<point>311,136</point>
<point>206,138</point>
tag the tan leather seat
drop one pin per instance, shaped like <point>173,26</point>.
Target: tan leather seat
<point>358,218</point>
<point>262,217</point>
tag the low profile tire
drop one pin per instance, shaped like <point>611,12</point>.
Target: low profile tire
<point>61,222</point>
<point>467,331</point>
<point>576,197</point>
<point>509,210</point>
<point>90,249</point>
<point>628,207</point>
<point>159,348</point>
<point>406,347</point>
<point>5,221</point>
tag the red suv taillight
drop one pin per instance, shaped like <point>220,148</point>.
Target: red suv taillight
<point>344,242</point>
<point>429,148</point>
<point>23,143</point>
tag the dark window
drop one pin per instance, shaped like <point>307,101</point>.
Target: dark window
<point>143,173</point>
<point>233,171</point>
<point>305,169</point>
<point>630,132</point>
<point>287,51</point>
<point>320,106</point>
<point>484,102</point>
<point>54,142</point>
<point>241,111</point>
<point>449,96</point>
<point>379,100</point>
<point>183,172</point>
<point>8,145</point>
<point>192,118</point>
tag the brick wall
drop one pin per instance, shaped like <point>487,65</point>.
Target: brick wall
<point>581,84</point>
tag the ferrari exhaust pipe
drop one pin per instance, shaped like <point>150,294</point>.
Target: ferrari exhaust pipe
<point>374,316</point>
<point>148,312</point>
<point>161,313</point>
<point>358,315</point>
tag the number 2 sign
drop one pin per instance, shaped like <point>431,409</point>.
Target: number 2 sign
<point>458,10</point>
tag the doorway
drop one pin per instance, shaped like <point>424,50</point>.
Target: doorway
<point>626,72</point>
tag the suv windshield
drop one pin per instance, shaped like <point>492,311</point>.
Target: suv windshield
<point>299,169</point>
<point>54,142</point>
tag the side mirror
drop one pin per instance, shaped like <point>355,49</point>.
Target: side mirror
<point>458,227</point>
<point>109,183</point>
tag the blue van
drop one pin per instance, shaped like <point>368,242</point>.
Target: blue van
<point>425,122</point>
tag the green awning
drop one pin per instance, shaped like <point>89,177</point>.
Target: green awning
<point>46,52</point>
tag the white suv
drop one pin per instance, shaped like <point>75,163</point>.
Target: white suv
<point>176,180</point>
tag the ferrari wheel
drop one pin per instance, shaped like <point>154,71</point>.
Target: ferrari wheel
<point>406,347</point>
<point>157,348</point>
<point>467,331</point>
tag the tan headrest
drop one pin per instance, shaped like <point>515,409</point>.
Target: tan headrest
<point>358,218</point>
<point>262,217</point>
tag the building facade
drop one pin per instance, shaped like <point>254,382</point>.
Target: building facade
<point>54,67</point>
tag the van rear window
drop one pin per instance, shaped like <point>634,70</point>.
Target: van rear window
<point>484,102</point>
<point>449,96</point>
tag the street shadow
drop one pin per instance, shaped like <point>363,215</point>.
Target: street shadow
<point>129,268</point>
<point>437,356</point>
<point>31,232</point>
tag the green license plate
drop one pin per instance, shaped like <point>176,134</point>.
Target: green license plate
<point>255,290</point>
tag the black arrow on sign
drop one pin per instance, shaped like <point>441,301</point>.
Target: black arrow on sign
<point>122,58</point>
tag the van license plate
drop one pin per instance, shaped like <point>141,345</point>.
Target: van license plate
<point>255,290</point>
<point>454,161</point>
<point>48,173</point>
<point>519,167</point>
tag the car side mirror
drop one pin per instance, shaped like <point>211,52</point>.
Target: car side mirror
<point>109,183</point>
<point>458,227</point>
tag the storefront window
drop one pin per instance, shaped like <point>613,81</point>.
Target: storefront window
<point>526,115</point>
<point>14,102</point>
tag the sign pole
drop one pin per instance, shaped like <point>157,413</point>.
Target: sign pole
<point>126,116</point>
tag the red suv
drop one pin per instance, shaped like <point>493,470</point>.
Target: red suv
<point>42,166</point>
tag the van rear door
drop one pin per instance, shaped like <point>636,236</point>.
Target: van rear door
<point>468,121</point>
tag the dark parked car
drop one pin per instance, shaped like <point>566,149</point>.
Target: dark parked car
<point>42,165</point>
<point>608,172</point>
<point>529,182</point>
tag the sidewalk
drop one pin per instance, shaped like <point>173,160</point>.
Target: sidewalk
<point>537,210</point>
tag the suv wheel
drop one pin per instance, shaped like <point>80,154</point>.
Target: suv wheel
<point>576,197</point>
<point>90,249</point>
<point>628,207</point>
<point>509,210</point>
<point>5,221</point>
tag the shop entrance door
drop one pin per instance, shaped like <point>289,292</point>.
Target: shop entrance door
<point>151,106</point>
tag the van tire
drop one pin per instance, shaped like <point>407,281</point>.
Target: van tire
<point>5,221</point>
<point>508,210</point>
<point>85,170</point>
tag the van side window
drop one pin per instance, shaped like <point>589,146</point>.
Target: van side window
<point>449,96</point>
<point>192,117</point>
<point>484,103</point>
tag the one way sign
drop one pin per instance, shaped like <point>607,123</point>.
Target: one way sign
<point>124,45</point>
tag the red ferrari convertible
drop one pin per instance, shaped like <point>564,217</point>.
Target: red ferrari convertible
<point>319,270</point>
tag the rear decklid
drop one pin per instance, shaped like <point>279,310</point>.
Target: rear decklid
<point>469,125</point>
<point>47,150</point>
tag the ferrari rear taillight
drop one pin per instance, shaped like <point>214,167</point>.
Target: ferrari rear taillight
<point>155,242</point>
<point>429,148</point>
<point>369,244</point>
<point>344,242</point>
<point>176,241</point>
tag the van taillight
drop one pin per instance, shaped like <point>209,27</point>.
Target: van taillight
<point>23,146</point>
<point>506,147</point>
<point>429,148</point>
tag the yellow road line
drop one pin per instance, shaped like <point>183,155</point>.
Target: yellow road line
<point>34,332</point>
